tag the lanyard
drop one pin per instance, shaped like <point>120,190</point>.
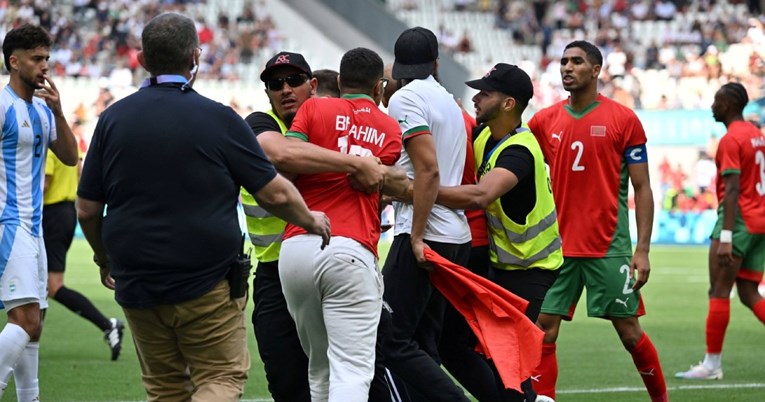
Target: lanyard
<point>490,153</point>
<point>164,79</point>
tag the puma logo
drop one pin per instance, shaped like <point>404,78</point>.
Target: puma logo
<point>647,373</point>
<point>535,377</point>
<point>406,116</point>
<point>623,302</point>
<point>557,136</point>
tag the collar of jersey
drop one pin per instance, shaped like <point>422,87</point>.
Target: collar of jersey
<point>164,79</point>
<point>357,96</point>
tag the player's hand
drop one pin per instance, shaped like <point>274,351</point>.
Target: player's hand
<point>106,277</point>
<point>369,176</point>
<point>642,265</point>
<point>418,248</point>
<point>321,227</point>
<point>725,254</point>
<point>51,96</point>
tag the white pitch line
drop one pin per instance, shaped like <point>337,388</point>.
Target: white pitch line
<point>674,388</point>
<point>603,390</point>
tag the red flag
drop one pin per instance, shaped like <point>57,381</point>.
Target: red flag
<point>495,315</point>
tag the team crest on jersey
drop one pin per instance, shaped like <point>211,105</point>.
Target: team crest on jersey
<point>598,131</point>
<point>285,58</point>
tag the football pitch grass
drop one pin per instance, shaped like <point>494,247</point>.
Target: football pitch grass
<point>75,363</point>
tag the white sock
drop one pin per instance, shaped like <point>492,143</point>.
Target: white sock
<point>25,374</point>
<point>713,361</point>
<point>13,340</point>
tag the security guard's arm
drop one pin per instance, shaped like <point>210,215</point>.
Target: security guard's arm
<point>282,199</point>
<point>478,196</point>
<point>299,157</point>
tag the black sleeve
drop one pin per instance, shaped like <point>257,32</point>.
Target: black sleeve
<point>260,122</point>
<point>91,185</point>
<point>517,159</point>
<point>248,163</point>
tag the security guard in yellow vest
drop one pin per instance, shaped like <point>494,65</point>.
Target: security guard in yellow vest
<point>514,189</point>
<point>289,82</point>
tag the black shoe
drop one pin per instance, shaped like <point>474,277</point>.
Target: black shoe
<point>113,337</point>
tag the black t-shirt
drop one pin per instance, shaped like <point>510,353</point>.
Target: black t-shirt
<point>260,122</point>
<point>169,165</point>
<point>518,202</point>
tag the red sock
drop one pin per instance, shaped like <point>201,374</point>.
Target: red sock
<point>717,323</point>
<point>759,310</point>
<point>546,374</point>
<point>647,363</point>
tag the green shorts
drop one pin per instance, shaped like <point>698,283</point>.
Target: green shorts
<point>609,289</point>
<point>750,247</point>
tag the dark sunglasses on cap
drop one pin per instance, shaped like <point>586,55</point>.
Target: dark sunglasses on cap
<point>293,80</point>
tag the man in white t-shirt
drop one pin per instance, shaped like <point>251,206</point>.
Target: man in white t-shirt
<point>433,155</point>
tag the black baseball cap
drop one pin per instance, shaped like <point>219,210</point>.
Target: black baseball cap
<point>415,51</point>
<point>509,79</point>
<point>285,59</point>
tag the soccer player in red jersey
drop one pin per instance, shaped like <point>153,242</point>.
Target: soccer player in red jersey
<point>737,251</point>
<point>335,293</point>
<point>594,147</point>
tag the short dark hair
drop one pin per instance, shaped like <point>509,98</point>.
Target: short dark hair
<point>736,95</point>
<point>327,82</point>
<point>360,69</point>
<point>169,41</point>
<point>25,37</point>
<point>593,53</point>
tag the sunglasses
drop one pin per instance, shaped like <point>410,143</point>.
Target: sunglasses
<point>293,80</point>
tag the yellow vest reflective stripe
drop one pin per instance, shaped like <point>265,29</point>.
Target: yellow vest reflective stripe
<point>537,243</point>
<point>265,230</point>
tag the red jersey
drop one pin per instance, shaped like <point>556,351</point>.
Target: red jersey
<point>588,153</point>
<point>355,125</point>
<point>476,217</point>
<point>742,151</point>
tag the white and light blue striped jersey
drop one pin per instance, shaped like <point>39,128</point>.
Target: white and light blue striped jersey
<point>27,130</point>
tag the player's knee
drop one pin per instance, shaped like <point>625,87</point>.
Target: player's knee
<point>29,320</point>
<point>748,294</point>
<point>550,328</point>
<point>629,331</point>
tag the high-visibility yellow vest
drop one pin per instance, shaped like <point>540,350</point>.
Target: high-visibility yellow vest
<point>265,230</point>
<point>537,243</point>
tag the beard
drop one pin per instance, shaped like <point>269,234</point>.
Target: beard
<point>288,118</point>
<point>487,115</point>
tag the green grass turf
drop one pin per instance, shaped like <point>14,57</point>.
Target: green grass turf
<point>75,362</point>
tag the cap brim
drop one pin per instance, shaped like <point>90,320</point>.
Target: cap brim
<point>411,71</point>
<point>267,72</point>
<point>480,85</point>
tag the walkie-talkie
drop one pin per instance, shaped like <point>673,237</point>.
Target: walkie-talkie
<point>239,273</point>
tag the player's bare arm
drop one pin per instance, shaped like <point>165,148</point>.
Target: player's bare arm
<point>730,208</point>
<point>396,183</point>
<point>422,152</point>
<point>638,173</point>
<point>90,214</point>
<point>65,145</point>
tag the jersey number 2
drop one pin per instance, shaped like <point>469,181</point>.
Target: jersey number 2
<point>579,148</point>
<point>38,145</point>
<point>759,158</point>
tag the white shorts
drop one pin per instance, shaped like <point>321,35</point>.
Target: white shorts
<point>24,267</point>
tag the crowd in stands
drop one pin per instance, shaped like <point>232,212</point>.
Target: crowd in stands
<point>100,39</point>
<point>659,54</point>
<point>684,192</point>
